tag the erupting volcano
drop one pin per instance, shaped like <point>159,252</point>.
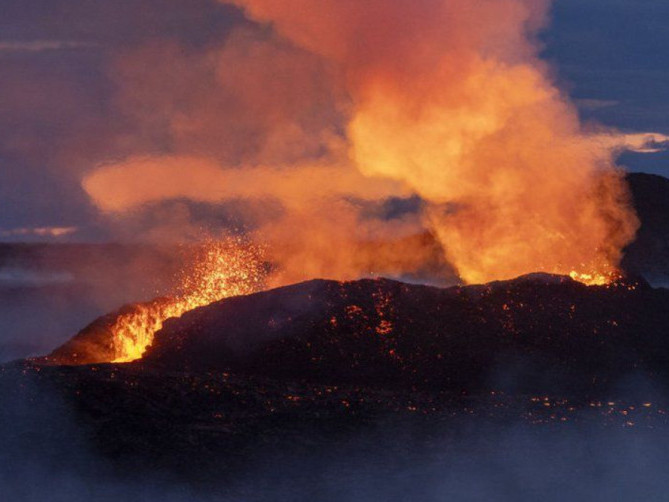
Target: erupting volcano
<point>426,229</point>
<point>219,270</point>
<point>445,103</point>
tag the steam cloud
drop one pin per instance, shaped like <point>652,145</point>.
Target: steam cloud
<point>322,104</point>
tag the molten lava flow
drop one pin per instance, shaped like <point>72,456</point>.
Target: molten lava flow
<point>221,270</point>
<point>595,278</point>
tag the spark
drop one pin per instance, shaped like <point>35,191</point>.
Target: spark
<point>223,269</point>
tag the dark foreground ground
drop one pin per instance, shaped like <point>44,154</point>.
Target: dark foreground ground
<point>109,431</point>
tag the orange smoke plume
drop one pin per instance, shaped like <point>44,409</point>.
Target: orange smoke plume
<point>450,98</point>
<point>343,104</point>
<point>320,205</point>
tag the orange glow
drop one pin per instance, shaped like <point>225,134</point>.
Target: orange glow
<point>451,99</point>
<point>341,105</point>
<point>595,279</point>
<point>222,269</point>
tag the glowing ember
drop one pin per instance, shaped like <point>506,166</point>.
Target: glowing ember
<point>222,269</point>
<point>595,278</point>
<point>591,279</point>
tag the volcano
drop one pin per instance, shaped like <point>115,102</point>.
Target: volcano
<point>556,334</point>
<point>302,365</point>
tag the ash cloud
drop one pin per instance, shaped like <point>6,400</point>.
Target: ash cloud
<point>62,111</point>
<point>446,101</point>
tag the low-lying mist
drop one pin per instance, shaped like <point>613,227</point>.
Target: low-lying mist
<point>46,454</point>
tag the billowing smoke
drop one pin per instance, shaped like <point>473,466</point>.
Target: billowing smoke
<point>326,106</point>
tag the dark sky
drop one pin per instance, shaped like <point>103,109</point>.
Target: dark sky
<point>59,85</point>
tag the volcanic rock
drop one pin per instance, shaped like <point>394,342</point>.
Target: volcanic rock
<point>543,333</point>
<point>540,333</point>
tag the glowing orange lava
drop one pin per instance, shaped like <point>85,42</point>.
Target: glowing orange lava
<point>594,279</point>
<point>222,269</point>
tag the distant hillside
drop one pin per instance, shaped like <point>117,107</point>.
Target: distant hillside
<point>649,254</point>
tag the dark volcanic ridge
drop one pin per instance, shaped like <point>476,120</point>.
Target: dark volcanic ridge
<point>537,333</point>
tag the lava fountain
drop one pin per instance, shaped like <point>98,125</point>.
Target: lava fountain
<point>220,270</point>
